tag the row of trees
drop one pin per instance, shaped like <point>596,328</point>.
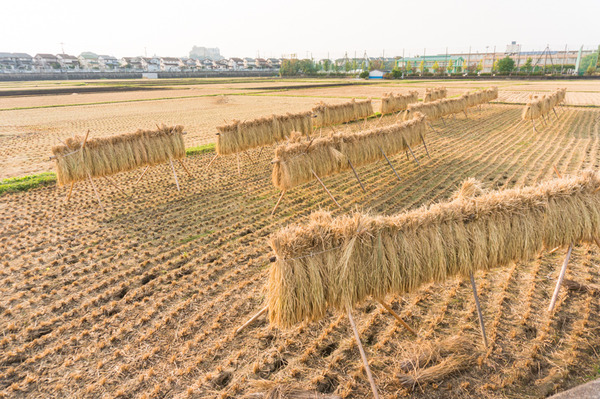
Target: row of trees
<point>293,67</point>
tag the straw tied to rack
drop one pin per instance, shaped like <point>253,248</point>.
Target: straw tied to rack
<point>538,107</point>
<point>437,93</point>
<point>334,114</point>
<point>340,262</point>
<point>438,109</point>
<point>391,102</point>
<point>241,136</point>
<point>81,158</point>
<point>300,162</point>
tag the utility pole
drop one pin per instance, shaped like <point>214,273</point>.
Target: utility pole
<point>468,60</point>
<point>562,68</point>
<point>493,59</point>
<point>62,47</point>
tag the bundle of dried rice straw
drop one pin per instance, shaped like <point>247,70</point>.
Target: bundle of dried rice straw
<point>436,93</point>
<point>339,262</point>
<point>295,162</point>
<point>240,136</point>
<point>536,107</point>
<point>447,106</point>
<point>334,114</point>
<point>391,102</point>
<point>106,156</point>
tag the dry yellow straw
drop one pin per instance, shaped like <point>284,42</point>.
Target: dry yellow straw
<point>537,107</point>
<point>106,156</point>
<point>339,262</point>
<point>334,114</point>
<point>391,102</point>
<point>294,163</point>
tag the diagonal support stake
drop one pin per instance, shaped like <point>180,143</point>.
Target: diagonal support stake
<point>70,191</point>
<point>534,129</point>
<point>479,314</point>
<point>278,201</point>
<point>396,316</point>
<point>413,154</point>
<point>256,316</point>
<point>425,145</point>
<point>174,174</point>
<point>431,127</point>
<point>185,167</point>
<point>555,114</point>
<point>389,163</point>
<point>325,188</point>
<point>362,354</point>
<point>211,161</point>
<point>356,175</point>
<point>561,276</point>
<point>142,175</point>
<point>95,191</point>
<point>115,185</point>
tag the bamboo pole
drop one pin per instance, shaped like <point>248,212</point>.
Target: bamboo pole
<point>389,163</point>
<point>356,175</point>
<point>442,118</point>
<point>278,201</point>
<point>325,188</point>
<point>413,154</point>
<point>431,127</point>
<point>256,316</point>
<point>174,174</point>
<point>70,191</point>
<point>425,145</point>
<point>561,276</point>
<point>142,175</point>
<point>95,191</point>
<point>534,129</point>
<point>556,171</point>
<point>185,167</point>
<point>397,317</point>
<point>465,112</point>
<point>363,355</point>
<point>85,139</point>
<point>555,114</point>
<point>115,184</point>
<point>211,161</point>
<point>479,314</point>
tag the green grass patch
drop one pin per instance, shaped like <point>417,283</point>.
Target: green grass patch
<point>203,149</point>
<point>16,184</point>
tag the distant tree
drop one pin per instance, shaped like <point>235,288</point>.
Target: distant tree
<point>495,66</point>
<point>505,65</point>
<point>376,64</point>
<point>589,60</point>
<point>435,67</point>
<point>527,67</point>
<point>422,66</point>
<point>364,75</point>
<point>590,70</point>
<point>347,66</point>
<point>450,66</point>
<point>479,67</point>
<point>408,67</point>
<point>307,67</point>
<point>396,73</point>
<point>354,64</point>
<point>289,67</point>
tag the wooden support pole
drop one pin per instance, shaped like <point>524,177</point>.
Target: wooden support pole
<point>425,145</point>
<point>85,139</point>
<point>356,175</point>
<point>389,163</point>
<point>431,127</point>
<point>442,118</point>
<point>479,314</point>
<point>397,317</point>
<point>115,185</point>
<point>465,112</point>
<point>278,201</point>
<point>70,191</point>
<point>325,188</point>
<point>363,355</point>
<point>561,276</point>
<point>413,154</point>
<point>211,161</point>
<point>174,174</point>
<point>556,171</point>
<point>95,191</point>
<point>555,114</point>
<point>256,316</point>
<point>184,167</point>
<point>142,175</point>
<point>534,129</point>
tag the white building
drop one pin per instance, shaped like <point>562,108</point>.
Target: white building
<point>68,61</point>
<point>170,64</point>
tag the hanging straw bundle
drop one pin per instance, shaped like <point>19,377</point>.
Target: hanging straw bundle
<point>240,136</point>
<point>334,114</point>
<point>436,93</point>
<point>340,262</point>
<point>391,102</point>
<point>106,156</point>
<point>436,109</point>
<point>295,162</point>
<point>537,107</point>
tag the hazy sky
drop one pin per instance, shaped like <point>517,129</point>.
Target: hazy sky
<point>275,28</point>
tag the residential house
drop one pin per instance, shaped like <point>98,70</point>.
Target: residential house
<point>89,61</point>
<point>208,64</point>
<point>132,63</point>
<point>249,63</point>
<point>274,63</point>
<point>261,63</point>
<point>46,62</point>
<point>24,61</point>
<point>235,63</point>
<point>191,64</point>
<point>108,62</point>
<point>170,64</point>
<point>7,62</point>
<point>67,61</point>
<point>221,64</point>
<point>150,64</point>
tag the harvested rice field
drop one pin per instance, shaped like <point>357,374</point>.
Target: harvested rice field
<point>143,298</point>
